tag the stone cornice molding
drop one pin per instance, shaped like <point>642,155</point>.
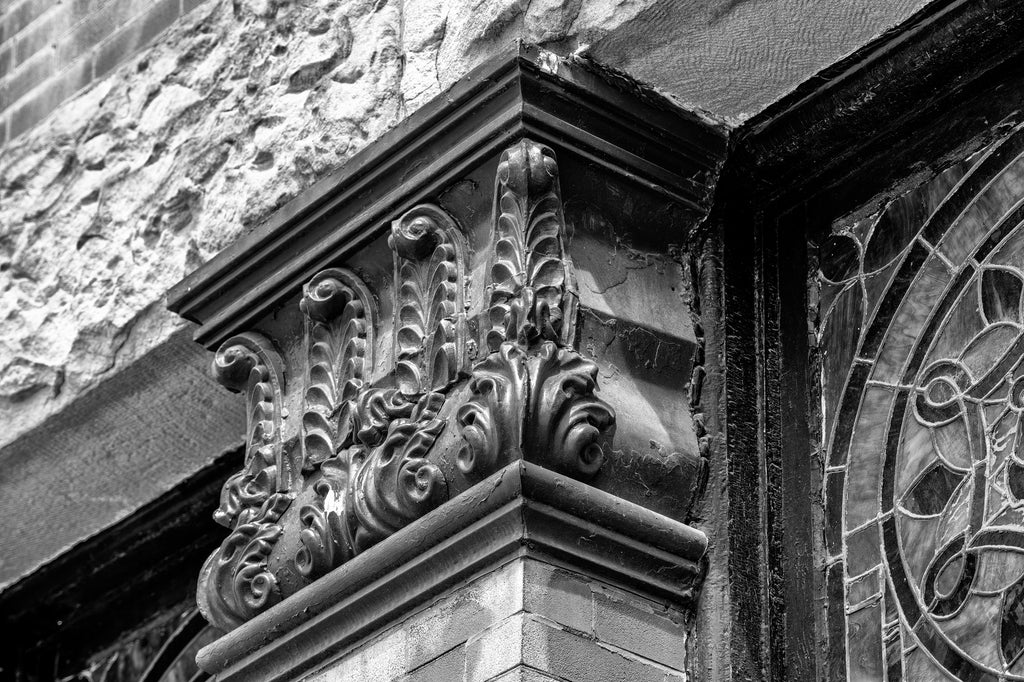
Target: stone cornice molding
<point>521,510</point>
<point>567,105</point>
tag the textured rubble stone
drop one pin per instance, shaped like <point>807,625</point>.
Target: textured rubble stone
<point>149,173</point>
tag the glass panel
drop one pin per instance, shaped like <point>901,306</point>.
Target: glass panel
<point>864,644</point>
<point>862,550</point>
<point>922,357</point>
<point>865,458</point>
<point>863,589</point>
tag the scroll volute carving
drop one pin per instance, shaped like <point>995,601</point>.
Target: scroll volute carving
<point>380,444</point>
<point>236,583</point>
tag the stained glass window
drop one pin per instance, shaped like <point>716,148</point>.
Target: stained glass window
<point>921,339</point>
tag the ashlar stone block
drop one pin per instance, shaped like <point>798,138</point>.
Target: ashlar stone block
<point>494,627</point>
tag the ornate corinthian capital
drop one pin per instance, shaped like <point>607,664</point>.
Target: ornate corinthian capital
<point>476,343</point>
<point>388,433</point>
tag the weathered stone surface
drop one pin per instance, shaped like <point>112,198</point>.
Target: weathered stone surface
<point>147,174</point>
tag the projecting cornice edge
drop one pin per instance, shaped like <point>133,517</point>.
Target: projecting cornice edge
<point>574,107</point>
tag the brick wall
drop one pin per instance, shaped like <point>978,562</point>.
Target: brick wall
<point>51,49</point>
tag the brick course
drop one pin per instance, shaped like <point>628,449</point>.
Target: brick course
<point>50,50</point>
<point>21,14</point>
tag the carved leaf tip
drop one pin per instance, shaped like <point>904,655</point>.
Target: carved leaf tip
<point>415,237</point>
<point>325,297</point>
<point>233,365</point>
<point>244,360</point>
<point>527,167</point>
<point>531,278</point>
<point>429,342</point>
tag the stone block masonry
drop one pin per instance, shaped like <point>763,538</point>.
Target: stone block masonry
<point>51,50</point>
<point>527,620</point>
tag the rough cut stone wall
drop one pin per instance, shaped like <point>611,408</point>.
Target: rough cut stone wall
<point>240,104</point>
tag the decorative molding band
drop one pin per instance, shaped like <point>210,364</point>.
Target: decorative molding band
<point>520,509</point>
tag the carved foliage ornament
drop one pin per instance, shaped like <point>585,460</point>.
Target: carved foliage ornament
<point>235,583</point>
<point>377,450</point>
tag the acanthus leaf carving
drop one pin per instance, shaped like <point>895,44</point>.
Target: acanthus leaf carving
<point>532,292</point>
<point>375,479</point>
<point>492,417</point>
<point>236,583</point>
<point>377,486</point>
<point>340,315</point>
<point>327,532</point>
<point>249,363</point>
<point>567,424</point>
<point>429,277</point>
<point>538,405</point>
<point>377,449</point>
<point>534,395</point>
<point>395,484</point>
